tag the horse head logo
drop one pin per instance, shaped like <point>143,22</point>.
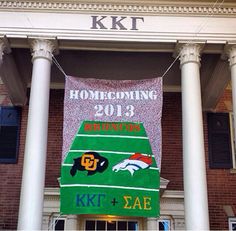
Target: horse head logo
<point>133,163</point>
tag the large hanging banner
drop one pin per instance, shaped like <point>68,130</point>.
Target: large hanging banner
<point>111,147</point>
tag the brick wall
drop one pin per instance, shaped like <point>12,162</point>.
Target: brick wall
<point>10,174</point>
<point>4,98</point>
<point>172,159</point>
<point>221,183</point>
<point>225,103</point>
<point>10,178</point>
<point>55,126</point>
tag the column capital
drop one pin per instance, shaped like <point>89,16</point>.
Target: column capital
<point>42,48</point>
<point>231,53</point>
<point>190,52</point>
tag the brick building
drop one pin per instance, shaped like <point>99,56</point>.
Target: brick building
<point>141,47</point>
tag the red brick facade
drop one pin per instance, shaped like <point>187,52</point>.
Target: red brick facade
<point>4,98</point>
<point>172,160</point>
<point>10,178</point>
<point>221,183</point>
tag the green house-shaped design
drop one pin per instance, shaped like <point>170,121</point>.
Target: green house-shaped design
<point>110,169</point>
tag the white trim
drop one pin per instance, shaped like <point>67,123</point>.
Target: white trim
<point>51,192</point>
<point>154,168</point>
<point>138,6</point>
<point>110,218</point>
<point>54,220</point>
<point>172,206</point>
<point>110,152</point>
<point>109,186</point>
<point>114,136</point>
<point>173,194</point>
<point>69,165</point>
<point>232,138</point>
<point>156,28</point>
<point>167,220</point>
<point>232,220</point>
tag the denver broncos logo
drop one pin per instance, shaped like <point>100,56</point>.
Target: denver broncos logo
<point>135,162</point>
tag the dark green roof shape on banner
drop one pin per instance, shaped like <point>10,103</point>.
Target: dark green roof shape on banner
<point>110,169</point>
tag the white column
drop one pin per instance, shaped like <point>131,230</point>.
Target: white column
<point>232,62</point>
<point>152,223</point>
<point>179,223</point>
<point>46,221</point>
<point>71,222</point>
<point>195,185</point>
<point>32,187</point>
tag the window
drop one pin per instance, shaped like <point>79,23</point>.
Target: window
<point>164,225</point>
<point>232,224</point>
<point>219,140</point>
<point>58,223</point>
<point>111,225</point>
<point>233,143</point>
<point>9,134</point>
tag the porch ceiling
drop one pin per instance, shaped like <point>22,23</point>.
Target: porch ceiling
<point>124,65</point>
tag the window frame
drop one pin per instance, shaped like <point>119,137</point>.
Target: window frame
<point>165,218</point>
<point>14,159</point>
<point>53,222</point>
<point>232,137</point>
<point>108,218</point>
<point>231,221</point>
<point>215,161</point>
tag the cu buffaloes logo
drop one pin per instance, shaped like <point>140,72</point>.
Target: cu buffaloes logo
<point>91,162</point>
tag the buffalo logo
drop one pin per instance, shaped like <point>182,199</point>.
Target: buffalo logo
<point>135,162</point>
<point>90,161</point>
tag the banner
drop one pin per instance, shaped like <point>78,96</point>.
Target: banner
<point>111,147</point>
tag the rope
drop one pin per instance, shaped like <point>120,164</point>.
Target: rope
<point>58,65</point>
<point>196,34</point>
<point>171,65</point>
<point>54,222</point>
<point>209,15</point>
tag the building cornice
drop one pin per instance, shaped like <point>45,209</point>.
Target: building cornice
<point>125,7</point>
